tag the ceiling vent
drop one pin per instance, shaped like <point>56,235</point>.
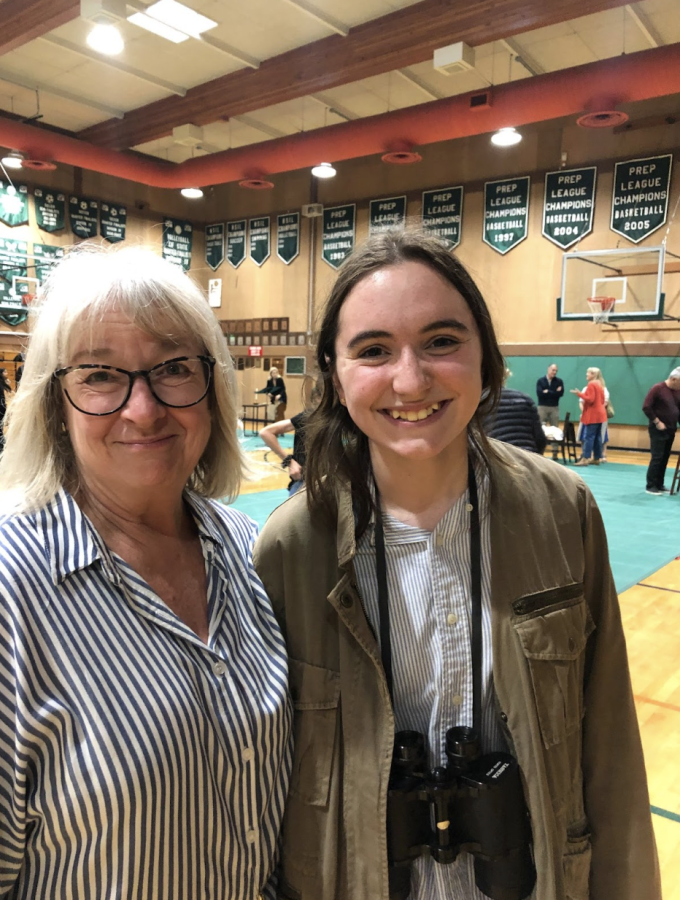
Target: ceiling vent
<point>454,59</point>
<point>256,181</point>
<point>103,12</point>
<point>606,118</point>
<point>401,153</point>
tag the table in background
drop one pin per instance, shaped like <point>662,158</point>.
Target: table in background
<point>256,414</point>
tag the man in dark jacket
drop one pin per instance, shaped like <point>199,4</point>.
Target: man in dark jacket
<point>662,408</point>
<point>515,421</point>
<point>549,392</point>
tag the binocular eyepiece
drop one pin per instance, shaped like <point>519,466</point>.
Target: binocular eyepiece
<point>476,803</point>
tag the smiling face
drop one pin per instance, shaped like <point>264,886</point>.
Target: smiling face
<point>408,364</point>
<point>145,447</point>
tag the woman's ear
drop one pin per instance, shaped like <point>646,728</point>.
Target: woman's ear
<point>338,390</point>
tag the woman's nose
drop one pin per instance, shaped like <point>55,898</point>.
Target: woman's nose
<point>411,374</point>
<point>141,403</point>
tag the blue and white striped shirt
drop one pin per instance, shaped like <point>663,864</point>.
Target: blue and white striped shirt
<point>428,583</point>
<point>135,760</point>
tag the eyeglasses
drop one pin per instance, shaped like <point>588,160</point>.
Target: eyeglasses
<point>98,390</point>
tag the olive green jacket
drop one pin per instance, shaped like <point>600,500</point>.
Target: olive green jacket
<point>561,679</point>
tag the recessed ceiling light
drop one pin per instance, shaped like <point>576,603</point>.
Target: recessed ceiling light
<point>506,137</point>
<point>156,27</point>
<point>106,39</point>
<point>324,170</point>
<point>192,193</point>
<point>179,16</point>
<point>13,160</point>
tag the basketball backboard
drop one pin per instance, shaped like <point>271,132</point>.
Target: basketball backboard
<point>634,276</point>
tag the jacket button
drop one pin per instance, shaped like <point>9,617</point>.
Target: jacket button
<point>504,717</point>
<point>346,600</point>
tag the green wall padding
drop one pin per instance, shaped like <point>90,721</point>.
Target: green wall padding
<point>628,379</point>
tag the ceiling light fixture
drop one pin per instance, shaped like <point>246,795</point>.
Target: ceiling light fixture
<point>324,170</point>
<point>506,137</point>
<point>106,39</point>
<point>156,27</point>
<point>13,160</point>
<point>192,193</point>
<point>177,15</point>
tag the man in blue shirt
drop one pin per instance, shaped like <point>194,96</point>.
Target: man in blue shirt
<point>549,391</point>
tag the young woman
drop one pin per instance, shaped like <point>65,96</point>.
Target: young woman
<point>494,607</point>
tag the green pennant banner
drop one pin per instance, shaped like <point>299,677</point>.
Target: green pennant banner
<point>236,242</point>
<point>112,222</point>
<point>13,204</point>
<point>214,245</point>
<point>443,213</point>
<point>13,268</point>
<point>45,256</point>
<point>259,239</point>
<point>389,212</point>
<point>50,210</point>
<point>337,240</point>
<point>178,238</point>
<point>640,196</point>
<point>83,214</point>
<point>568,205</point>
<point>506,212</point>
<point>288,237</point>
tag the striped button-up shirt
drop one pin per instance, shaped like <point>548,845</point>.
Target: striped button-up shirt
<point>428,584</point>
<point>135,760</point>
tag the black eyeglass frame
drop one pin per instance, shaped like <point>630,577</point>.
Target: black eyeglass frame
<point>138,373</point>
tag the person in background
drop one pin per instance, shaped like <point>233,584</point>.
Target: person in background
<point>549,392</point>
<point>604,431</point>
<point>294,461</point>
<point>145,721</point>
<point>5,390</point>
<point>662,408</point>
<point>593,416</point>
<point>19,370</point>
<point>276,389</point>
<point>417,547</point>
<point>515,421</point>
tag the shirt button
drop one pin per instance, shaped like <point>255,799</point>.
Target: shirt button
<point>219,668</point>
<point>468,507</point>
<point>251,836</point>
<point>451,619</point>
<point>457,699</point>
<point>248,755</point>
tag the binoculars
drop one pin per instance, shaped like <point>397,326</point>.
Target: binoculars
<point>474,803</point>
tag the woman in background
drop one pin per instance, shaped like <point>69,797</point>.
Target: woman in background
<point>276,389</point>
<point>593,416</point>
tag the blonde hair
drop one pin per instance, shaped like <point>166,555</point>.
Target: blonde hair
<point>598,375</point>
<point>160,300</point>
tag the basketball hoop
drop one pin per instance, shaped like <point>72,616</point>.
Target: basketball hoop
<point>601,308</point>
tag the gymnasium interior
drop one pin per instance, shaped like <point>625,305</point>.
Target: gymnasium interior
<point>568,220</point>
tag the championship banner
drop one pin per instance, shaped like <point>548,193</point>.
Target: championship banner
<point>214,245</point>
<point>387,213</point>
<point>568,205</point>
<point>506,212</point>
<point>443,213</point>
<point>45,256</point>
<point>50,210</point>
<point>236,242</point>
<point>83,215</point>
<point>112,222</point>
<point>288,237</point>
<point>640,196</point>
<point>337,239</point>
<point>13,265</point>
<point>178,237</point>
<point>13,204</point>
<point>259,239</point>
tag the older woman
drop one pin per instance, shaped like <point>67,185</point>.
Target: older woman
<point>443,595</point>
<point>144,718</point>
<point>593,416</point>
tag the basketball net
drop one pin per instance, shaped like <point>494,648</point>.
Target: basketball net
<point>601,308</point>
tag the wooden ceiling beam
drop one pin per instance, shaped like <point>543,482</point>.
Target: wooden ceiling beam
<point>394,41</point>
<point>22,21</point>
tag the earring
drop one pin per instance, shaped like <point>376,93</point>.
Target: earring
<point>63,427</point>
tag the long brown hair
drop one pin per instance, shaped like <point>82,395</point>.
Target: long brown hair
<point>336,448</point>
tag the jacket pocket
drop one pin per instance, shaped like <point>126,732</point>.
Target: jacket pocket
<point>553,641</point>
<point>577,858</point>
<point>316,694</point>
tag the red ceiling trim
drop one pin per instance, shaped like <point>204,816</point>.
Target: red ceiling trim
<point>626,79</point>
